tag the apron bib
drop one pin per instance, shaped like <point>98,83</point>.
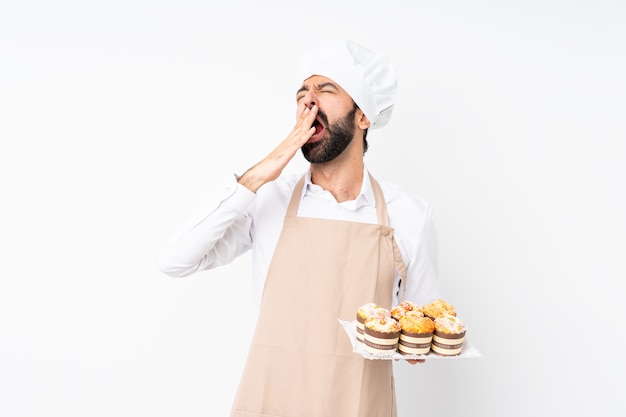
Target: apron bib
<point>300,362</point>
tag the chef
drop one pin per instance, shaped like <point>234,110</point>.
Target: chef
<point>323,243</point>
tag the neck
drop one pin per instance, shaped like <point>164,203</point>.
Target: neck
<point>343,176</point>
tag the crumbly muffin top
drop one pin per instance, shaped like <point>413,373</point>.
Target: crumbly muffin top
<point>414,324</point>
<point>449,325</point>
<point>367,310</point>
<point>439,308</point>
<point>405,307</point>
<point>383,324</point>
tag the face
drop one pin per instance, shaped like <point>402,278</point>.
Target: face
<point>335,124</point>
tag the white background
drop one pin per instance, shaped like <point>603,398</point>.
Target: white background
<point>116,116</point>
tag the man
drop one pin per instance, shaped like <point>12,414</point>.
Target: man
<point>323,244</point>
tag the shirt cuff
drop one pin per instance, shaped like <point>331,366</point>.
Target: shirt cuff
<point>236,196</point>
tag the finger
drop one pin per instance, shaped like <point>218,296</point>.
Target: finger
<point>308,115</point>
<point>304,129</point>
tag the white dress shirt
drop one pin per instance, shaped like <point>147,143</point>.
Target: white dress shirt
<point>233,220</point>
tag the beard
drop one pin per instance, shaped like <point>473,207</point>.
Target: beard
<point>336,139</point>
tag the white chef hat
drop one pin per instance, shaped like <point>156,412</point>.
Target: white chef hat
<point>369,78</point>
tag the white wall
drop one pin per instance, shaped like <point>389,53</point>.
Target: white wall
<point>115,116</point>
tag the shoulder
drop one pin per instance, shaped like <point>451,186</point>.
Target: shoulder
<point>272,198</point>
<point>282,186</point>
<point>407,210</point>
<point>403,201</point>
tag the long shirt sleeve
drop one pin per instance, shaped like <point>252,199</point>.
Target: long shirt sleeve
<point>213,233</point>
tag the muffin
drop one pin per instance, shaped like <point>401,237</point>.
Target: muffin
<point>406,307</point>
<point>437,309</point>
<point>381,334</point>
<point>449,336</point>
<point>416,335</point>
<point>365,312</point>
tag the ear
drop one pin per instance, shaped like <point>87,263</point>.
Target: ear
<point>363,121</point>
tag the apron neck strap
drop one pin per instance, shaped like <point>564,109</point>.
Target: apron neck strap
<point>294,203</point>
<point>379,200</point>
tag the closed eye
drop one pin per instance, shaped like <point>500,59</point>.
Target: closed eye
<point>327,88</point>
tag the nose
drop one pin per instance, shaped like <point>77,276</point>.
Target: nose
<point>310,99</point>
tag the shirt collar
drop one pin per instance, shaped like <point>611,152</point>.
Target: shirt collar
<point>365,197</point>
